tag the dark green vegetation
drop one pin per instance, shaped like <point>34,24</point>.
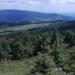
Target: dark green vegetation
<point>38,51</point>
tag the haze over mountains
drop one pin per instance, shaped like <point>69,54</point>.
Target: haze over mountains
<point>24,17</point>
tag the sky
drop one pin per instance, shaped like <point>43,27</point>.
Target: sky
<point>49,6</point>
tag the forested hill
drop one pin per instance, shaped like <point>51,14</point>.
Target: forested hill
<point>13,17</point>
<point>49,52</point>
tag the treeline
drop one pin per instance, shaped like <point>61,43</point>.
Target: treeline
<point>54,49</point>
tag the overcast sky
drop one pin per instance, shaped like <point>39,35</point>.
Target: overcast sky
<point>39,5</point>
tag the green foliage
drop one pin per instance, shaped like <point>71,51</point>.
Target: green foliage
<point>43,65</point>
<point>47,49</point>
<point>57,73</point>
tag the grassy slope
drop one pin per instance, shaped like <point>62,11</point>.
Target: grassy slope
<point>15,68</point>
<point>22,67</point>
<point>26,27</point>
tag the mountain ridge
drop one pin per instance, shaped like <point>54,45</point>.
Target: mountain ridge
<point>24,17</point>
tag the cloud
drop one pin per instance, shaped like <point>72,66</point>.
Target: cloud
<point>32,2</point>
<point>39,5</point>
<point>7,1</point>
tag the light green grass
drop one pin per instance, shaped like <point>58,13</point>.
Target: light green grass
<point>16,67</point>
<point>27,27</point>
<point>23,27</point>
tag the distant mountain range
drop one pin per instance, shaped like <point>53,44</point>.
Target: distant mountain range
<point>70,14</point>
<point>24,17</point>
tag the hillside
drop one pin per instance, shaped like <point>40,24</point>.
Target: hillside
<point>51,25</point>
<point>48,52</point>
<point>14,17</point>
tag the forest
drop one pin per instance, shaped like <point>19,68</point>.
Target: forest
<point>50,51</point>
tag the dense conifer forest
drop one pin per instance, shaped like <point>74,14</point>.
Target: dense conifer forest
<point>47,51</point>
